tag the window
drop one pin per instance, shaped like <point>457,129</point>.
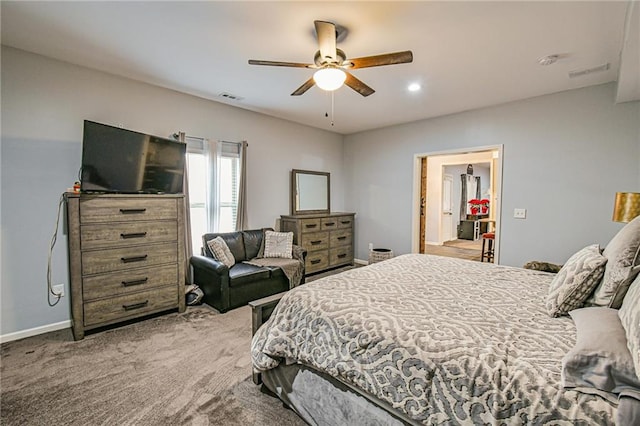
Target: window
<point>213,187</point>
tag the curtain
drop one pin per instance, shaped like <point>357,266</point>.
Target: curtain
<point>241,215</point>
<point>470,190</point>
<point>188,251</point>
<point>211,150</point>
<point>463,197</point>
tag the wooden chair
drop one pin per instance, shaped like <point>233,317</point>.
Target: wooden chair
<point>487,246</point>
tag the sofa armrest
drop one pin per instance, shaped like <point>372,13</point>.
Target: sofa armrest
<point>207,264</point>
<point>299,253</point>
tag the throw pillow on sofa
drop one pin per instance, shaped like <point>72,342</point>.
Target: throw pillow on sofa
<point>221,251</point>
<point>278,244</point>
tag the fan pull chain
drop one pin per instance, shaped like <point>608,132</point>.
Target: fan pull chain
<point>326,114</point>
<point>332,108</point>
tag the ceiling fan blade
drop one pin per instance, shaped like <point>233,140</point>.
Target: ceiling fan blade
<point>358,85</point>
<point>379,60</point>
<point>306,86</point>
<point>326,32</point>
<point>280,64</point>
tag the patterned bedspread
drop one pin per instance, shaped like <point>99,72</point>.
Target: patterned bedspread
<point>443,340</point>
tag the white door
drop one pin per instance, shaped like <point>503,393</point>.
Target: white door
<point>446,230</point>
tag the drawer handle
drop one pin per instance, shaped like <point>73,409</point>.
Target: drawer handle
<point>343,255</point>
<point>330,223</point>
<point>345,222</point>
<point>135,306</point>
<point>342,238</point>
<point>315,261</point>
<point>311,225</point>
<point>134,235</point>
<point>134,259</point>
<point>135,282</point>
<point>315,242</point>
<point>132,211</point>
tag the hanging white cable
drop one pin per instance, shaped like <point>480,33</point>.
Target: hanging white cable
<point>53,243</point>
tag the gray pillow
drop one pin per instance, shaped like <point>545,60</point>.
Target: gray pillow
<point>630,318</point>
<point>575,281</point>
<point>600,359</point>
<point>623,264</point>
<point>221,251</point>
<point>628,411</point>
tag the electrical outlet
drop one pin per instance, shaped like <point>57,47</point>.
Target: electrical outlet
<point>520,213</point>
<point>59,289</point>
<point>370,246</point>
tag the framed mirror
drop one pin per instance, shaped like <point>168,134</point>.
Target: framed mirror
<point>310,192</point>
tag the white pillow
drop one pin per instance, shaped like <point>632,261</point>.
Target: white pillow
<point>278,244</point>
<point>221,251</point>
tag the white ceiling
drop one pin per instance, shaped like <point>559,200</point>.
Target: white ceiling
<point>467,55</point>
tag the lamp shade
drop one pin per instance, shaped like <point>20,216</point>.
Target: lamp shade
<point>626,207</point>
<point>329,79</point>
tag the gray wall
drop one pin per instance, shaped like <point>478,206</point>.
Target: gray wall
<point>565,156</point>
<point>44,103</point>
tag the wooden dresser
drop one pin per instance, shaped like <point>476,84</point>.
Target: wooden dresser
<point>126,257</point>
<point>327,237</point>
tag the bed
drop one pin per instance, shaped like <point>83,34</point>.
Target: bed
<point>421,339</point>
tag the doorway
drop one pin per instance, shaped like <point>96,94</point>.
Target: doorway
<point>444,222</point>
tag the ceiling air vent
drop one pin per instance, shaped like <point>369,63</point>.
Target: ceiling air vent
<point>579,73</point>
<point>229,96</point>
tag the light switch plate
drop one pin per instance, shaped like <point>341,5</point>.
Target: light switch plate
<point>520,213</point>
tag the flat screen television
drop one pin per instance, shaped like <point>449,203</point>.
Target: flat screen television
<point>117,160</point>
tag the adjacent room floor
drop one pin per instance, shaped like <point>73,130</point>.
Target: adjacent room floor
<point>462,249</point>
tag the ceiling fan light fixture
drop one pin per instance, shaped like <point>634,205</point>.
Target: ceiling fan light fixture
<point>330,78</point>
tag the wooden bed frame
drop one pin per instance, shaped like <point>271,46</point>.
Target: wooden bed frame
<point>261,310</point>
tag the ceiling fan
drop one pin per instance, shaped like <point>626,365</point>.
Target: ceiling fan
<point>332,64</point>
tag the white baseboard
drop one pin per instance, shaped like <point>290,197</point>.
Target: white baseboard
<point>361,262</point>
<point>35,331</point>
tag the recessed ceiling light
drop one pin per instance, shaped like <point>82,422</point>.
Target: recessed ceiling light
<point>414,87</point>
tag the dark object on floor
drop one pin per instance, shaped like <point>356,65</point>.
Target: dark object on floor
<point>193,295</point>
<point>543,266</point>
<point>227,288</point>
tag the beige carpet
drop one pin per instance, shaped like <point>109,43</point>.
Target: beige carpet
<point>190,368</point>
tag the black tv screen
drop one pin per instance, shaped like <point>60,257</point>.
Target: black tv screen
<point>123,161</point>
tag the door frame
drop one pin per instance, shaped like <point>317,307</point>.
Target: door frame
<point>417,182</point>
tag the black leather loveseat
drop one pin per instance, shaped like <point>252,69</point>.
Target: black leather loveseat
<point>227,288</point>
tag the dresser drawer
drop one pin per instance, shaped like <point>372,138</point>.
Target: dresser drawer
<point>315,241</point>
<point>121,234</point>
<point>345,222</point>
<point>341,238</point>
<point>340,255</point>
<point>129,306</point>
<point>316,261</point>
<point>329,223</point>
<point>126,282</point>
<point>96,210</point>
<point>121,259</point>
<point>310,225</point>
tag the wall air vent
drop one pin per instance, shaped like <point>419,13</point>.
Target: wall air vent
<point>580,73</point>
<point>229,96</point>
